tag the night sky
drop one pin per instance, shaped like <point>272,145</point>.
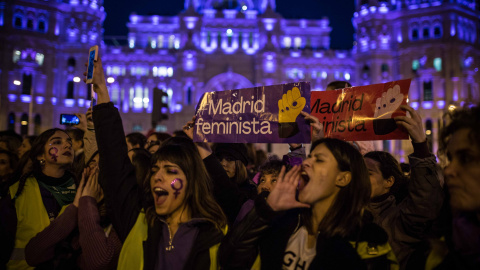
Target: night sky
<point>340,13</point>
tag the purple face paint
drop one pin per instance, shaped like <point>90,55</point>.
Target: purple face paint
<point>175,187</point>
<point>53,153</point>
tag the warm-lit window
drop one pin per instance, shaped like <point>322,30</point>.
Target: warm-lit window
<point>297,42</point>
<point>171,41</point>
<point>287,42</point>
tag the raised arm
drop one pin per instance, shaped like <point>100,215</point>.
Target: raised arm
<point>117,174</point>
<point>425,194</point>
<point>89,140</point>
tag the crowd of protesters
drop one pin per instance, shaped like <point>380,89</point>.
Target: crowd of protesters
<point>91,197</point>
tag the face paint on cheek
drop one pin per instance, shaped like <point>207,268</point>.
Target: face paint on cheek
<point>177,187</point>
<point>53,153</point>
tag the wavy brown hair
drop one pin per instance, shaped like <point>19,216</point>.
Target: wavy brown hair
<point>199,197</point>
<point>344,216</point>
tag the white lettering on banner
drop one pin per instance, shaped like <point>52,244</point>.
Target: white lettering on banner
<point>234,127</point>
<point>238,127</point>
<point>238,107</point>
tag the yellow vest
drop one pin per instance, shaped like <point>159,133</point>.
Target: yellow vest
<point>32,218</point>
<point>131,255</point>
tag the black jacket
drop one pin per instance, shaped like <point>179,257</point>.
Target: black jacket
<point>409,222</point>
<point>266,232</point>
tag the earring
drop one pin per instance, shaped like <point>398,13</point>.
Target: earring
<point>42,162</point>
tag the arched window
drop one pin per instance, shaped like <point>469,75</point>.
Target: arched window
<point>24,126</point>
<point>366,72</point>
<point>38,124</point>
<point>30,24</point>
<point>41,26</point>
<point>437,31</point>
<point>71,62</point>
<point>18,21</point>
<point>11,121</point>
<point>26,84</point>
<point>384,67</point>
<point>189,95</point>
<point>414,34</point>
<point>70,88</point>
<point>426,32</point>
<point>427,91</point>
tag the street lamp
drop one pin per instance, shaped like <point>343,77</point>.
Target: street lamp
<point>110,80</point>
<point>76,79</point>
<point>17,82</point>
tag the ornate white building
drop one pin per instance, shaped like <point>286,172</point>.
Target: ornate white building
<point>219,45</point>
<point>434,42</point>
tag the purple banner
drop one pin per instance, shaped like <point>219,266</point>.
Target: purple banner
<point>267,114</point>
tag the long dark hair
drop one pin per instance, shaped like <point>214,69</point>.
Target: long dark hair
<point>141,159</point>
<point>389,166</point>
<point>38,148</point>
<point>345,214</point>
<point>199,199</point>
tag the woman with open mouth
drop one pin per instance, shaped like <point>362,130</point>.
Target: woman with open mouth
<point>173,221</point>
<point>41,196</point>
<point>325,228</point>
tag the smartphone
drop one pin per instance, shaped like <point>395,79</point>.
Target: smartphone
<point>69,119</point>
<point>92,56</point>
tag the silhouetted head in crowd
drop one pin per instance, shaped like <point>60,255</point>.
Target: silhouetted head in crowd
<point>10,143</point>
<point>180,133</point>
<point>460,141</point>
<point>337,85</point>
<point>268,174</point>
<point>77,138</point>
<point>154,141</point>
<point>26,145</point>
<point>141,160</point>
<point>8,163</point>
<point>386,176</point>
<point>135,140</point>
<point>234,159</point>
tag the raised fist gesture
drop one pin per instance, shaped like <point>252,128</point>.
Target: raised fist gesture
<point>289,107</point>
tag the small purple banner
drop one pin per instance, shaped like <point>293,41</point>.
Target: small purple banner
<point>266,114</point>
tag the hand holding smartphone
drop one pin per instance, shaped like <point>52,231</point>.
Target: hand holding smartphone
<point>92,57</point>
<point>95,76</point>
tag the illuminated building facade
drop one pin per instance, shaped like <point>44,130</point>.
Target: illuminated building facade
<point>217,45</point>
<point>220,45</point>
<point>43,47</point>
<point>434,42</point>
